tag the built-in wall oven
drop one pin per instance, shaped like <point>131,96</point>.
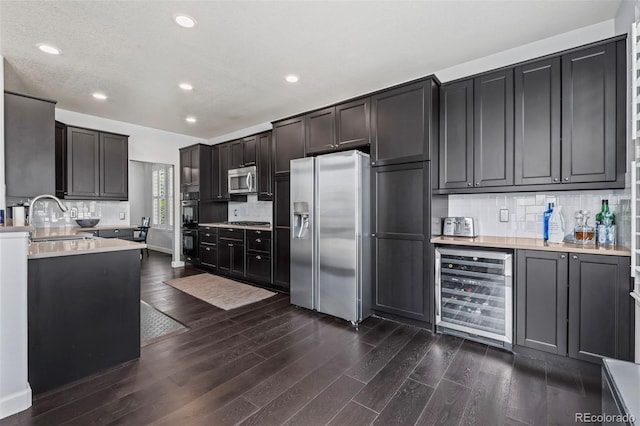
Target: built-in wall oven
<point>474,295</point>
<point>190,245</point>
<point>190,206</point>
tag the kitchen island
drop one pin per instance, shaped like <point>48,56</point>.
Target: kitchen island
<point>84,308</point>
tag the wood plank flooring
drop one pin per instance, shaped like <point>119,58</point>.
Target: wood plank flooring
<point>270,363</point>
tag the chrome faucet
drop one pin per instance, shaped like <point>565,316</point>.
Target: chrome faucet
<point>39,197</point>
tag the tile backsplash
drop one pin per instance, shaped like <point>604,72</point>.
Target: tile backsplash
<point>526,210</point>
<point>252,209</point>
<point>47,213</point>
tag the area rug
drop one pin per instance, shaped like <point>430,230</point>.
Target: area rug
<point>219,291</point>
<point>154,324</point>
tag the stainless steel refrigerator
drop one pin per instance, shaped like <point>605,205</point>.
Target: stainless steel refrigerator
<point>330,234</point>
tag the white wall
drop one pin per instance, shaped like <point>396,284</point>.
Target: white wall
<point>145,144</point>
<point>3,191</point>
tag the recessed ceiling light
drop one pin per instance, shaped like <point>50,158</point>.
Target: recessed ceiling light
<point>191,119</point>
<point>48,49</point>
<point>100,96</point>
<point>292,78</point>
<point>185,21</point>
<point>186,86</point>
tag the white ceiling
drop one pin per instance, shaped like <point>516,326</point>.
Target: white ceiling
<point>240,51</point>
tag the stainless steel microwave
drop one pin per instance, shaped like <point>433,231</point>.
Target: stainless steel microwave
<point>243,180</point>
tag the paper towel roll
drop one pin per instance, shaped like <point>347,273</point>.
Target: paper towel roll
<point>18,216</point>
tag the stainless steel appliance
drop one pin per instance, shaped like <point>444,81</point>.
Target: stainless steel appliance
<point>190,206</point>
<point>474,295</point>
<point>247,223</point>
<point>190,245</point>
<point>459,227</point>
<point>243,180</point>
<point>330,235</point>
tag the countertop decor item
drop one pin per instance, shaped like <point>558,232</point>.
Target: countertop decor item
<point>87,223</point>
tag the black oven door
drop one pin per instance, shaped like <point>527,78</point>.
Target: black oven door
<point>190,244</point>
<point>190,214</point>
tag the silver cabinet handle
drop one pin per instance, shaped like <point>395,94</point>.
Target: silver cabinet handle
<point>208,249</point>
<point>116,231</point>
<point>566,179</point>
<point>563,256</point>
<point>258,240</point>
<point>468,183</point>
<point>556,179</point>
<point>207,235</point>
<point>477,183</point>
<point>230,245</point>
<point>259,257</point>
<point>574,257</point>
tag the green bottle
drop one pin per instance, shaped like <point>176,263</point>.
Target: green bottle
<point>600,214</point>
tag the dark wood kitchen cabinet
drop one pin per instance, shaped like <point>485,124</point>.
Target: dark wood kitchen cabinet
<point>353,129</point>
<point>114,166</point>
<point>250,151</point>
<point>493,129</point>
<point>282,221</point>
<point>589,115</point>
<point>541,300</point>
<point>258,256</point>
<point>196,169</point>
<point>288,142</point>
<point>456,135</point>
<point>83,163</point>
<point>61,158</point>
<point>600,308</point>
<point>236,150</point>
<point>404,123</point>
<point>220,158</point>
<point>29,135</point>
<point>537,123</point>
<point>208,236</point>
<point>320,131</point>
<point>231,256</point>
<point>575,304</point>
<point>264,167</point>
<point>401,268</point>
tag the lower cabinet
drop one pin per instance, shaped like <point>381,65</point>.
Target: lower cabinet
<point>575,304</point>
<point>231,257</point>
<point>209,256</point>
<point>259,267</point>
<point>123,234</point>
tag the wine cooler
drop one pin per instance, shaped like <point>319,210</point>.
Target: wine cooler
<point>474,295</point>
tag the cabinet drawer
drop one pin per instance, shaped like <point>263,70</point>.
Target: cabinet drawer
<point>259,243</point>
<point>209,256</point>
<point>252,233</point>
<point>235,234</point>
<point>259,267</point>
<point>208,237</point>
<point>124,234</point>
<point>209,229</point>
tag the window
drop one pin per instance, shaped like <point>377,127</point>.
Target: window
<point>162,196</point>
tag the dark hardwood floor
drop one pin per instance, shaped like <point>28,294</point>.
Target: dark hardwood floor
<point>270,363</point>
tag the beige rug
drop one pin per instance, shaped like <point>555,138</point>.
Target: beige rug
<point>219,291</point>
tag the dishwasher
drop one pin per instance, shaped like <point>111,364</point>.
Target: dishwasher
<point>474,295</point>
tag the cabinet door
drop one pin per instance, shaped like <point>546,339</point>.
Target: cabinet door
<point>83,163</point>
<point>61,159</point>
<point>114,166</point>
<point>259,267</point>
<point>209,256</point>
<point>224,172</point>
<point>456,135</point>
<point>321,131</point>
<point>352,124</point>
<point>185,167</point>
<point>265,184</point>
<point>589,115</point>
<point>282,258</point>
<point>29,146</point>
<point>288,141</point>
<point>225,250</point>
<point>216,180</point>
<point>400,226</point>
<point>600,314</point>
<point>195,165</point>
<point>237,259</point>
<point>541,300</point>
<point>281,208</point>
<point>401,120</point>
<point>537,123</point>
<point>493,129</point>
<point>249,151</point>
<point>236,154</point>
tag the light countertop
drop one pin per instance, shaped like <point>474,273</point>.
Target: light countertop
<point>9,228</point>
<point>39,250</point>
<point>530,244</point>
<point>226,225</point>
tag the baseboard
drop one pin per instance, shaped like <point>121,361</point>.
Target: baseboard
<point>177,264</point>
<point>16,402</point>
<point>160,249</point>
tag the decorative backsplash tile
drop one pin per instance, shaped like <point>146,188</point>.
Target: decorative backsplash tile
<point>253,210</point>
<point>47,213</point>
<point>526,210</point>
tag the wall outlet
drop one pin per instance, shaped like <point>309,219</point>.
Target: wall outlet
<point>504,215</point>
<point>73,212</point>
<point>122,216</point>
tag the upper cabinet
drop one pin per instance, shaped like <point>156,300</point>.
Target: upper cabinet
<point>220,160</point>
<point>403,123</point>
<point>95,164</point>
<point>554,123</point>
<point>250,153</point>
<point>589,115</point>
<point>237,154</point>
<point>195,170</point>
<point>29,134</point>
<point>264,166</point>
<point>537,123</point>
<point>288,142</point>
<point>320,131</point>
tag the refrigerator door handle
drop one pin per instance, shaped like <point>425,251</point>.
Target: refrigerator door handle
<point>304,225</point>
